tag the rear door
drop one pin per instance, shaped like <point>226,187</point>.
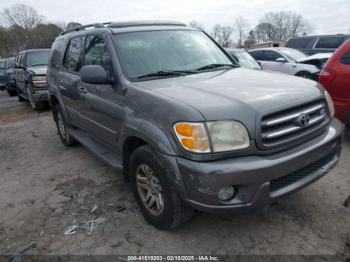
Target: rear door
<point>102,108</point>
<point>69,79</point>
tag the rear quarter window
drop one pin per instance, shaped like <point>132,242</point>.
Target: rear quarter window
<point>56,54</point>
<point>329,42</point>
<point>346,58</point>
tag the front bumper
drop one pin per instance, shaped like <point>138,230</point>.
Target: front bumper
<point>41,95</point>
<point>260,180</point>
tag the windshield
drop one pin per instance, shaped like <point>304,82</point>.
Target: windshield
<point>293,54</point>
<point>143,53</point>
<point>245,59</point>
<point>37,58</point>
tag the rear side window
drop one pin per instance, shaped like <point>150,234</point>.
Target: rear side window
<point>96,53</point>
<point>329,42</point>
<point>346,58</point>
<point>56,53</point>
<point>258,55</point>
<point>73,57</point>
<point>270,55</point>
<point>299,43</point>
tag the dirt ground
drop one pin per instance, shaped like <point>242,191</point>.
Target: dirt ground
<point>46,187</point>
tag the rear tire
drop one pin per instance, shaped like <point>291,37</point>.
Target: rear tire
<point>169,211</point>
<point>63,128</point>
<point>20,98</point>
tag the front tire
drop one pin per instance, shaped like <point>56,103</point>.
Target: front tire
<point>154,193</point>
<point>307,75</point>
<point>12,92</point>
<point>62,127</point>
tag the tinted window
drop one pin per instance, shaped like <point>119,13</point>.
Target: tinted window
<point>96,53</point>
<point>329,42</point>
<point>2,63</point>
<point>299,43</point>
<point>73,56</point>
<point>346,58</point>
<point>56,53</point>
<point>153,51</point>
<point>270,55</point>
<point>37,58</point>
<point>258,55</point>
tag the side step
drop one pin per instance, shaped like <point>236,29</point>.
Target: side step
<point>101,151</point>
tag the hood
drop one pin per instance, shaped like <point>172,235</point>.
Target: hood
<point>38,70</point>
<point>231,94</point>
<point>319,56</point>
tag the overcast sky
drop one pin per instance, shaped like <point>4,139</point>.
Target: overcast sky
<point>327,16</point>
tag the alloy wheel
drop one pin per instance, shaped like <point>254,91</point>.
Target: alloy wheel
<point>149,189</point>
<point>61,126</point>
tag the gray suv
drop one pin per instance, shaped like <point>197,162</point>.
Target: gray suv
<point>190,129</point>
<point>30,76</point>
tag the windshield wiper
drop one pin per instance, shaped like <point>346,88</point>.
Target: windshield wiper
<point>211,66</point>
<point>168,73</point>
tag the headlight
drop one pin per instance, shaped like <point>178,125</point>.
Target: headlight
<point>224,136</point>
<point>330,104</point>
<point>228,136</point>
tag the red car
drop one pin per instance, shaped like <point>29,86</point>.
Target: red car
<point>335,77</point>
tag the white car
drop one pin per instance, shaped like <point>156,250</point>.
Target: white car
<point>290,61</point>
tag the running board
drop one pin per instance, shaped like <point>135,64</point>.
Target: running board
<point>98,149</point>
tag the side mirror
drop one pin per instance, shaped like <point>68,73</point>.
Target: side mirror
<point>93,74</point>
<point>281,60</point>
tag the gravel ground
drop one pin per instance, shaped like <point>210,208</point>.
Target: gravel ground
<point>46,187</point>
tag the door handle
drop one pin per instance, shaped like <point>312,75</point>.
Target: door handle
<point>82,90</point>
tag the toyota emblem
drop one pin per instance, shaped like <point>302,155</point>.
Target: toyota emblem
<point>303,120</point>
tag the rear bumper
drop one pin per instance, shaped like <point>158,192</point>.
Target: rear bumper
<point>260,180</point>
<point>41,95</point>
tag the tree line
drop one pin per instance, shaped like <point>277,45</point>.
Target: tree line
<point>22,27</point>
<point>273,26</point>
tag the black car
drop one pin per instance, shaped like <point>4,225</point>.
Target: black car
<point>3,74</point>
<point>30,76</point>
<point>10,77</point>
<point>317,44</point>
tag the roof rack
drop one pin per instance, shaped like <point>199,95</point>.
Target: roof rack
<point>144,23</point>
<point>79,28</point>
<point>122,25</point>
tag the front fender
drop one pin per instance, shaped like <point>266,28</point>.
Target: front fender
<point>149,132</point>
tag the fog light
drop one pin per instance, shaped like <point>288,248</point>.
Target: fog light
<point>226,192</point>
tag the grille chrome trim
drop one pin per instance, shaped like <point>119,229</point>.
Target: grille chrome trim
<point>278,121</point>
<point>284,127</point>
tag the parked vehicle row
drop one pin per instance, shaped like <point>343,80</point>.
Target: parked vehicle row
<point>7,80</point>
<point>189,127</point>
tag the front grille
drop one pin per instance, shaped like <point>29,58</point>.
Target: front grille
<point>286,126</point>
<point>300,174</point>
